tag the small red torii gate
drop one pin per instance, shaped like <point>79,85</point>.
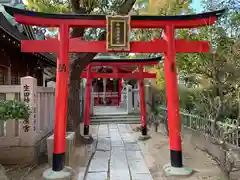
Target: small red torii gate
<point>115,64</point>
<point>62,46</point>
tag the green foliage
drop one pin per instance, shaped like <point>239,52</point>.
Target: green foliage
<point>13,110</point>
<point>48,6</point>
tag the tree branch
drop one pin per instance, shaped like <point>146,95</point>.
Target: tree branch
<point>85,58</point>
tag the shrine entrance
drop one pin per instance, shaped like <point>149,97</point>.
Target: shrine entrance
<point>108,76</point>
<point>118,40</point>
<point>120,70</point>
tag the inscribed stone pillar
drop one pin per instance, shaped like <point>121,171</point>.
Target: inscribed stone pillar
<point>28,127</point>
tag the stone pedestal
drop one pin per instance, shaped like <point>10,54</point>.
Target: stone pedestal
<point>65,174</point>
<point>173,171</point>
<point>70,141</point>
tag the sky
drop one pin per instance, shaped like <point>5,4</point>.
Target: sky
<point>197,6</point>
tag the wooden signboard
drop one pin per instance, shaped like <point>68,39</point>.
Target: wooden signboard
<point>118,33</point>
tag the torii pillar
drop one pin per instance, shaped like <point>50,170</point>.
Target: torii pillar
<point>174,121</point>
<point>143,114</point>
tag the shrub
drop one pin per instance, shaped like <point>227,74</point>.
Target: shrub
<point>13,110</point>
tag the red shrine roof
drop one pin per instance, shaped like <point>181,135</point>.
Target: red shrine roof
<point>97,21</point>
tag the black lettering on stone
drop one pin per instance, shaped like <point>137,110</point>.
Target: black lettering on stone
<point>26,87</point>
<point>26,93</point>
<point>26,128</point>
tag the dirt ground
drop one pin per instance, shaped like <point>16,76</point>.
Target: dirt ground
<point>156,154</point>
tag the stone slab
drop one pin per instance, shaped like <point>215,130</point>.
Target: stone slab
<point>134,155</point>
<point>132,146</point>
<point>138,167</point>
<point>141,176</point>
<point>99,162</point>
<point>115,136</point>
<point>123,128</point>
<point>128,137</point>
<point>98,165</point>
<point>117,143</point>
<point>118,151</point>
<point>104,144</point>
<point>120,175</point>
<point>113,126</point>
<point>113,130</point>
<point>103,130</point>
<point>96,176</point>
<point>118,165</point>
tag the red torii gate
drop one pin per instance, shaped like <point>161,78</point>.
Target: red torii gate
<point>115,64</point>
<point>62,46</point>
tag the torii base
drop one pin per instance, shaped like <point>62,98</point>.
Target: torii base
<point>144,137</point>
<point>65,174</point>
<point>173,171</point>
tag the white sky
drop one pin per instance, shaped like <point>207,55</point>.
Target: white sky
<point>24,1</point>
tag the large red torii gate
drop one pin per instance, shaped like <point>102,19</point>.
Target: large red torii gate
<point>62,46</point>
<point>116,64</point>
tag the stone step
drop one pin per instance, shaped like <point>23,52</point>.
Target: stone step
<point>116,119</point>
<point>114,122</point>
<point>114,116</point>
<point>111,118</point>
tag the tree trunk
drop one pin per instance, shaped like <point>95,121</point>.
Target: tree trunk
<point>78,62</point>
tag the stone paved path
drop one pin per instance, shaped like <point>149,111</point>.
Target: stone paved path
<point>118,155</point>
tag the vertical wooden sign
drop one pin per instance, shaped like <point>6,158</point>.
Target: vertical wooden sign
<point>118,33</point>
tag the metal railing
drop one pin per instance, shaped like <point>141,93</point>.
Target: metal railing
<point>204,126</point>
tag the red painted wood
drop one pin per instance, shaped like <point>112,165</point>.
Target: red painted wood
<point>127,70</point>
<point>174,122</point>
<point>47,22</point>
<point>120,75</point>
<point>48,45</point>
<point>60,121</point>
<point>142,99</point>
<point>77,45</point>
